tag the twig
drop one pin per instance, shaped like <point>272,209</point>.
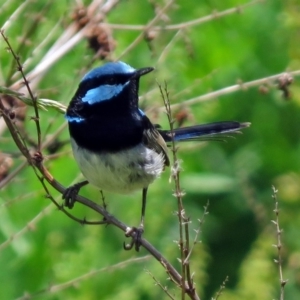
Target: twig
<point>109,5</point>
<point>39,48</point>
<point>147,27</point>
<point>187,24</point>
<point>201,221</point>
<point>58,287</point>
<point>36,119</point>
<point>12,174</point>
<point>29,226</point>
<point>234,88</point>
<point>222,287</point>
<point>18,139</point>
<point>164,288</point>
<point>169,47</point>
<point>19,198</point>
<point>175,170</point>
<point>34,25</point>
<point>183,220</point>
<point>278,246</point>
<point>14,15</point>
<point>41,103</point>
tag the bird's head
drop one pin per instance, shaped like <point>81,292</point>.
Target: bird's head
<point>114,81</point>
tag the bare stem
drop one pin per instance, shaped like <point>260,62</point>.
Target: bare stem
<point>36,118</point>
<point>142,34</point>
<point>198,231</point>
<point>222,287</point>
<point>214,15</point>
<point>235,88</point>
<point>164,288</point>
<point>62,286</point>
<point>186,276</point>
<point>279,244</point>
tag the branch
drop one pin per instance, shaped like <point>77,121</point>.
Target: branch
<point>36,162</point>
<point>196,22</point>
<point>234,88</point>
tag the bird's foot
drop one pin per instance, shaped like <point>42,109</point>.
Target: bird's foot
<point>136,234</point>
<point>71,192</point>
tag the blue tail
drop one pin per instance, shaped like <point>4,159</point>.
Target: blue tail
<point>202,132</point>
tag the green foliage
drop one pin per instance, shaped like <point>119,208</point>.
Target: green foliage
<point>41,249</point>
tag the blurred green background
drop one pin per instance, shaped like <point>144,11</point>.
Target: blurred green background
<point>40,247</point>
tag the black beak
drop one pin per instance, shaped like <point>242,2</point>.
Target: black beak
<point>140,72</point>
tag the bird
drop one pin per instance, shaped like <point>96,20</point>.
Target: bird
<point>114,143</point>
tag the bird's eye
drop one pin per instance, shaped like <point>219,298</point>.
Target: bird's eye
<point>111,81</point>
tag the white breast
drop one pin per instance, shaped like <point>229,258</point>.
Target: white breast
<point>120,172</point>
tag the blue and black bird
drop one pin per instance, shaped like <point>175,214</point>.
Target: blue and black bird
<point>116,146</point>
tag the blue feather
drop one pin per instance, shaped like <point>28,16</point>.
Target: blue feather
<point>203,131</point>
<point>74,119</point>
<point>142,113</point>
<point>110,68</point>
<point>103,93</point>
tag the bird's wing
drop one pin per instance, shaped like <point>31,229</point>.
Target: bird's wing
<point>153,140</point>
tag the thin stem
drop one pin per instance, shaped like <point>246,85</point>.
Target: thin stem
<point>26,82</point>
<point>234,88</point>
<point>183,220</point>
<point>279,244</point>
<point>175,175</point>
<point>198,231</point>
<point>141,36</point>
<point>187,24</point>
<point>62,286</point>
<point>221,289</point>
<point>164,288</point>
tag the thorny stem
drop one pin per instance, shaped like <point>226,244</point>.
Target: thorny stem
<point>186,262</point>
<point>279,244</point>
<point>183,220</point>
<point>222,287</point>
<point>164,288</point>
<point>175,175</point>
<point>33,98</point>
<point>201,221</point>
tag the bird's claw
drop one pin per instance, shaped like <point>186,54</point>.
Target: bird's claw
<point>136,236</point>
<point>69,195</point>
